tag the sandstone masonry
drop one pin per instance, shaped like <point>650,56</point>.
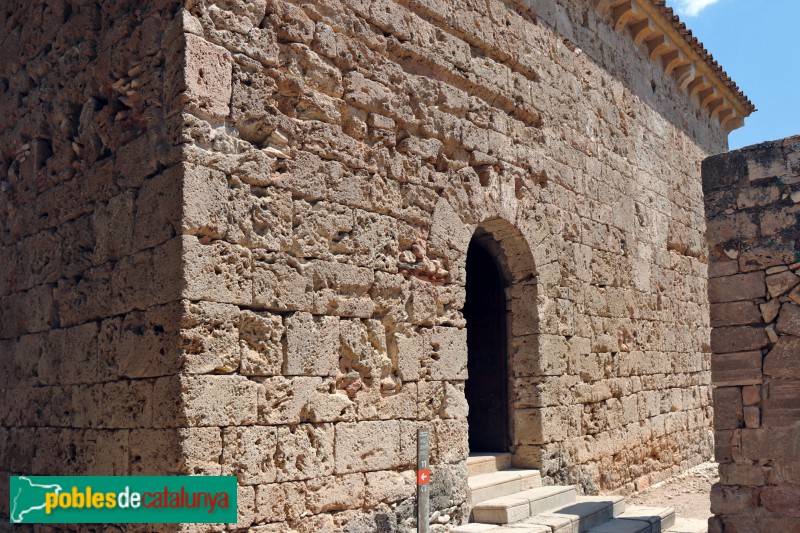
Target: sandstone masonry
<point>752,201</point>
<point>234,240</point>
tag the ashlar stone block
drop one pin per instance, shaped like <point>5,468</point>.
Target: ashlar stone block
<point>312,345</point>
<point>446,357</point>
<point>248,453</point>
<point>365,446</point>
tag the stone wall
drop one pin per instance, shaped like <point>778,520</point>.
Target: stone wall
<point>752,201</point>
<point>337,167</point>
<point>235,237</point>
<point>90,209</point>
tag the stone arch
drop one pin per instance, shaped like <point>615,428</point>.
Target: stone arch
<point>520,244</point>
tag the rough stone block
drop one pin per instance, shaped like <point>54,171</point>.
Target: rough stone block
<point>277,502</point>
<point>248,453</point>
<point>366,446</point>
<point>735,314</point>
<point>779,284</point>
<point>218,271</point>
<point>302,399</point>
<point>783,501</point>
<point>410,350</point>
<point>782,361</point>
<point>212,400</point>
<point>389,487</point>
<point>446,357</point>
<point>738,339</point>
<point>207,75</point>
<point>261,340</point>
<point>312,345</point>
<point>781,405</point>
<point>305,451</point>
<point>180,451</point>
<point>728,408</point>
<point>770,310</point>
<point>789,319</point>
<point>210,338</point>
<point>737,288</point>
<point>279,287</point>
<point>743,368</point>
<point>732,500</point>
<point>335,493</point>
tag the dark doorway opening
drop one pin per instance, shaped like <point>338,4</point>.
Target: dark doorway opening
<point>487,383</point>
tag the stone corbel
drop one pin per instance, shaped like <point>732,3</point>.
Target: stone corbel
<point>623,14</point>
<point>658,46</point>
<point>699,83</point>
<point>640,31</point>
<point>672,60</point>
<point>684,75</point>
<point>706,96</point>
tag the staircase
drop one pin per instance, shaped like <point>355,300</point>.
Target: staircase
<point>513,500</point>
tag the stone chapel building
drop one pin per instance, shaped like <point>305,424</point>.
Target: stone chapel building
<point>273,238</point>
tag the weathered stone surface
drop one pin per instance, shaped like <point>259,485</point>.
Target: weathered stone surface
<point>756,425</point>
<point>248,453</point>
<point>782,360</point>
<point>789,319</point>
<point>365,446</point>
<point>742,368</point>
<point>735,314</point>
<point>312,345</point>
<point>446,353</point>
<point>305,451</point>
<point>728,408</point>
<point>302,399</point>
<point>729,339</point>
<point>779,284</point>
<point>770,310</point>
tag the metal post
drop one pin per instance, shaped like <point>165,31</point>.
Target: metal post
<point>423,479</point>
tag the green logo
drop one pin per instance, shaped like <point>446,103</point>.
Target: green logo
<point>122,499</point>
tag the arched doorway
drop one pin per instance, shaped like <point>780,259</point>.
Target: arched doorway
<point>487,383</point>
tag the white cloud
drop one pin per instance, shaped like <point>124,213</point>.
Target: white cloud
<point>691,8</point>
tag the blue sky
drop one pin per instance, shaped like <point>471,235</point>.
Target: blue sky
<point>756,42</point>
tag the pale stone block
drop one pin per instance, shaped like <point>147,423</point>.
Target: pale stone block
<point>341,289</point>
<point>248,453</point>
<point>218,271</point>
<point>305,451</point>
<point>210,339</point>
<point>278,286</point>
<point>452,442</point>
<point>335,493</point>
<point>245,507</point>
<point>302,399</point>
<point>365,446</point>
<point>179,451</point>
<point>277,502</point>
<point>363,349</point>
<point>378,402</point>
<point>446,353</point>
<point>312,345</point>
<point>210,400</point>
<point>409,350</point>
<point>205,202</point>
<point>207,76</point>
<point>389,487</point>
<point>260,339</point>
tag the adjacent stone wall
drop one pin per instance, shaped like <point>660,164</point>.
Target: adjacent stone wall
<point>90,208</point>
<point>340,155</point>
<point>752,203</point>
<point>235,237</point>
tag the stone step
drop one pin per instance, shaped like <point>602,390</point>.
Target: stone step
<point>519,506</point>
<point>638,519</point>
<point>587,512</point>
<point>496,484</point>
<point>493,528</point>
<point>688,525</point>
<point>486,463</point>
